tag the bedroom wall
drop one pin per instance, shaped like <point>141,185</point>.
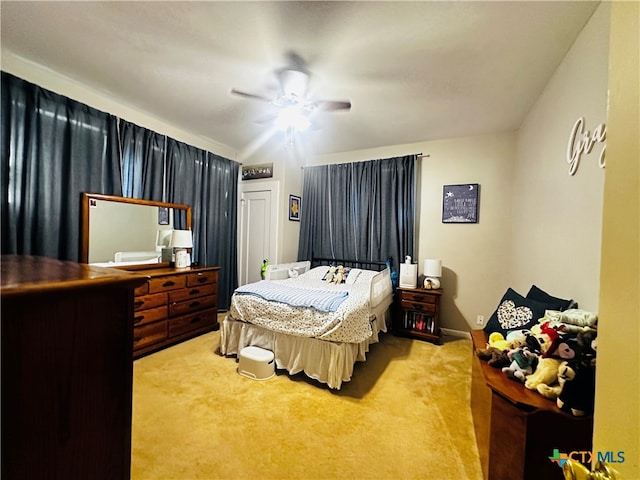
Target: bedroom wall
<point>556,222</point>
<point>475,257</point>
<point>537,224</point>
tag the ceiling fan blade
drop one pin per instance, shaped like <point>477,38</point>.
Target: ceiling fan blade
<point>332,105</point>
<point>251,95</point>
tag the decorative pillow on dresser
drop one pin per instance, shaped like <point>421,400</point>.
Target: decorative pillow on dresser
<point>560,304</point>
<point>516,312</point>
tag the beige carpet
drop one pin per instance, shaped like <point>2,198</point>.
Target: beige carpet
<point>404,415</point>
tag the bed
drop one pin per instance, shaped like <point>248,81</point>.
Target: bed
<point>310,323</point>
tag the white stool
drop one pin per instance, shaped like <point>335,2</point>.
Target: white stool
<point>256,363</point>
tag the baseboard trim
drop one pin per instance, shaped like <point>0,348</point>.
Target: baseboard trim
<point>455,333</point>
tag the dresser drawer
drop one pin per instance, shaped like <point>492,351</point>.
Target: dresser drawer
<point>192,305</point>
<point>421,307</point>
<point>149,334</point>
<point>189,293</point>
<point>142,289</point>
<point>193,322</point>
<point>142,317</point>
<point>149,301</point>
<point>202,278</point>
<point>167,283</point>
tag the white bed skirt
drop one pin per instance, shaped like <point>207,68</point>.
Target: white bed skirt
<point>326,362</point>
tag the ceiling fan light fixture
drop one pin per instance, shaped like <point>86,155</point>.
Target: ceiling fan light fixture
<point>292,117</point>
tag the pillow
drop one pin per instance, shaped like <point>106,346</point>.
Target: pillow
<point>353,275</point>
<point>515,312</point>
<point>554,303</point>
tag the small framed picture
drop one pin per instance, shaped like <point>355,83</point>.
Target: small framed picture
<point>294,208</point>
<point>460,203</point>
<point>163,216</point>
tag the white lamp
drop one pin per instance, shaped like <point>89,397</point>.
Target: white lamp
<point>432,273</point>
<point>181,240</point>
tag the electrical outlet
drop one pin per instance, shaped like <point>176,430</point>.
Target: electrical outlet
<point>480,319</point>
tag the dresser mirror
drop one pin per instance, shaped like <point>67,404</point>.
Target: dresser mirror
<point>129,233</point>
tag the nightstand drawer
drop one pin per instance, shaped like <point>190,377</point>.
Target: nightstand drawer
<point>421,297</point>
<point>422,307</point>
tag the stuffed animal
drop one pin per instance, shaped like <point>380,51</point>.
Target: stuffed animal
<point>546,373</point>
<point>523,363</point>
<point>578,391</point>
<point>552,391</point>
<point>338,276</point>
<point>329,275</point>
<point>494,357</point>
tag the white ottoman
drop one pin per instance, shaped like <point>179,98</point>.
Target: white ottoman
<point>256,363</point>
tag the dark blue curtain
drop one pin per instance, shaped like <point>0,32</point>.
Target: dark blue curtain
<point>53,149</point>
<point>361,210</point>
<point>143,162</point>
<point>209,184</point>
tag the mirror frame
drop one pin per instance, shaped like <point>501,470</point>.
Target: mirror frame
<point>84,224</point>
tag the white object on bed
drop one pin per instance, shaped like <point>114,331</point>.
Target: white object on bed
<point>282,271</point>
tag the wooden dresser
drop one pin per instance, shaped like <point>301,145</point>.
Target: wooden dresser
<point>517,429</point>
<point>173,305</point>
<point>66,369</point>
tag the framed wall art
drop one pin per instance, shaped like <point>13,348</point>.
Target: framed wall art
<point>460,203</point>
<point>252,172</point>
<point>294,208</point>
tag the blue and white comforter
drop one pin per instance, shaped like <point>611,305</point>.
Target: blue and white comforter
<point>350,322</point>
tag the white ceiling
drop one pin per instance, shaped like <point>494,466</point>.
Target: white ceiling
<point>414,71</point>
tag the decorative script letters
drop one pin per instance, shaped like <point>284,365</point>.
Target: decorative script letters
<point>581,141</point>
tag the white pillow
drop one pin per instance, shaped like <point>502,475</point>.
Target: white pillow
<point>354,273</point>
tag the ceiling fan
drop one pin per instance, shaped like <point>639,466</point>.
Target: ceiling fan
<point>293,90</point>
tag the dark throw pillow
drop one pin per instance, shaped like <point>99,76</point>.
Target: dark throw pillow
<point>515,312</point>
<point>539,295</point>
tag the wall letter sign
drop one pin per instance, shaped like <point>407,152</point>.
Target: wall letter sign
<point>581,141</point>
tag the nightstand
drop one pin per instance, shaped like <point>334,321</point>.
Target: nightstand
<point>417,313</point>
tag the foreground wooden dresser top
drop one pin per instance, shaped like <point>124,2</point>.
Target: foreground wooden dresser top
<point>66,369</point>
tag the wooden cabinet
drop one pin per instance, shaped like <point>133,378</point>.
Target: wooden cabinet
<point>66,369</point>
<point>173,305</point>
<point>517,430</point>
<point>417,313</point>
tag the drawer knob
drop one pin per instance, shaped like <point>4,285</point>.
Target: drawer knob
<point>169,283</point>
<point>195,319</point>
<point>194,304</point>
<point>138,319</point>
<point>139,303</point>
<point>195,291</point>
<point>202,279</point>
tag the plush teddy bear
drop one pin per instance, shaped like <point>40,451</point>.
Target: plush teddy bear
<point>494,357</point>
<point>551,391</point>
<point>546,373</point>
<point>578,391</point>
<point>338,276</point>
<point>523,363</point>
<point>329,275</point>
